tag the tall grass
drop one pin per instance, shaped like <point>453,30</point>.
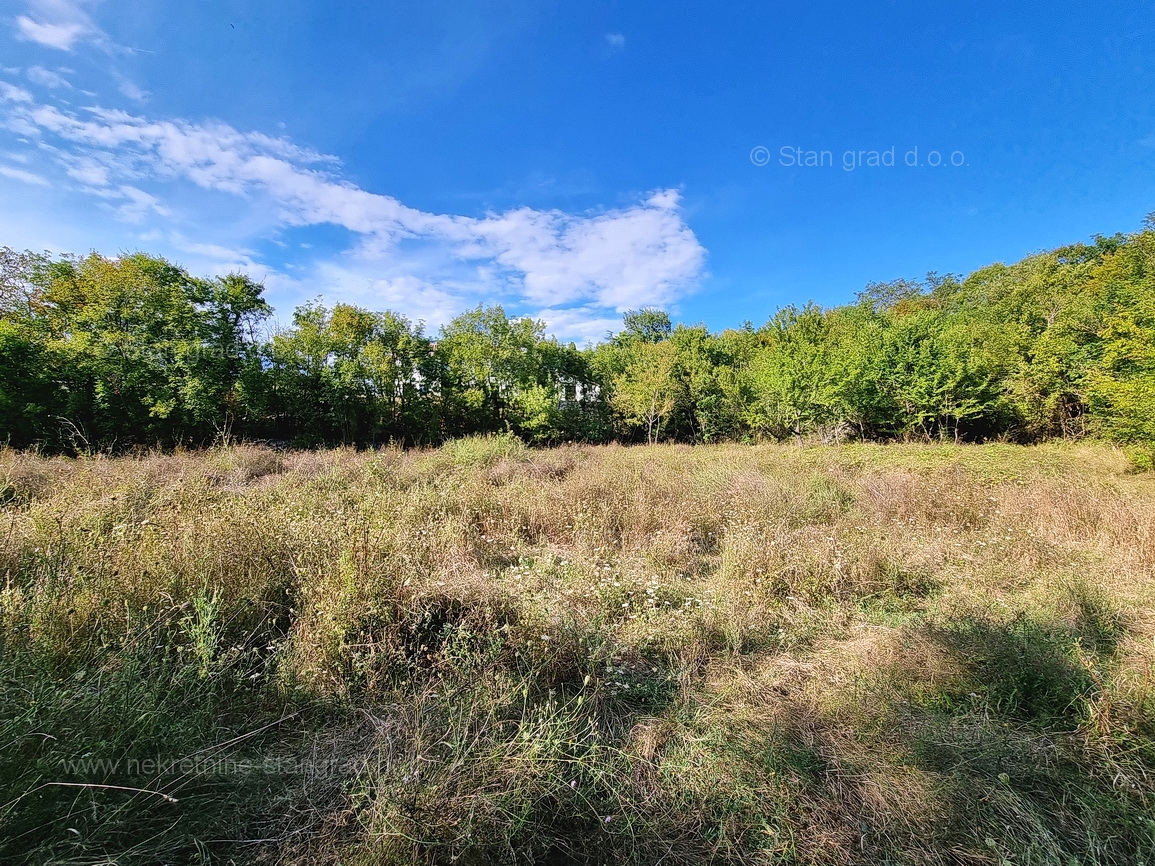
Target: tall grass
<point>483,653</point>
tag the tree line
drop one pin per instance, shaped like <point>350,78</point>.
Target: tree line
<point>100,353</point>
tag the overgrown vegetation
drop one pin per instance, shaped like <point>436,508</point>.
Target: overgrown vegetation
<point>923,654</point>
<point>102,354</point>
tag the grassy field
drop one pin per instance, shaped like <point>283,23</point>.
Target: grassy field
<point>487,654</point>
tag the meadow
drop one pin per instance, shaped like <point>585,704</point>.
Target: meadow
<point>486,653</point>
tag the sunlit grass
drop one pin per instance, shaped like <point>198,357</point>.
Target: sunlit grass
<point>485,653</point>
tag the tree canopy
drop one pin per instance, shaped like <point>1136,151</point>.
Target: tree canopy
<point>108,353</point>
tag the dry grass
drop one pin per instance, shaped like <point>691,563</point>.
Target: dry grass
<point>483,653</point>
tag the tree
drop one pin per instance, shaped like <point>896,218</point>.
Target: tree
<point>1120,384</point>
<point>488,358</point>
<point>502,373</point>
<point>108,352</point>
<point>648,325</point>
<point>350,375</point>
<point>945,375</point>
<point>646,390</point>
<point>147,353</point>
<point>218,370</point>
<point>887,296</point>
<point>28,398</point>
<point>791,375</point>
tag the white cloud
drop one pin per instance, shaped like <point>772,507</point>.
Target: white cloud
<point>58,24</point>
<point>61,36</point>
<point>138,204</point>
<point>583,325</point>
<point>48,78</point>
<point>578,267</point>
<point>133,91</point>
<point>419,299</point>
<point>615,40</point>
<point>89,172</point>
<point>637,256</point>
<point>130,203</point>
<point>22,175</point>
<point>218,257</point>
<point>11,93</point>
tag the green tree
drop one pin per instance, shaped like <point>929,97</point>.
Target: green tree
<point>502,373</point>
<point>791,375</point>
<point>1120,385</point>
<point>649,325</point>
<point>350,375</point>
<point>488,360</point>
<point>646,391</point>
<point>146,352</point>
<point>29,400</point>
<point>945,375</point>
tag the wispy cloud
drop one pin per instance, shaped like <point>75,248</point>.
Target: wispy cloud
<point>132,90</point>
<point>224,258</point>
<point>575,268</point>
<point>12,93</point>
<point>48,78</point>
<point>421,299</point>
<point>136,204</point>
<point>22,175</point>
<point>615,40</point>
<point>89,172</point>
<point>58,24</point>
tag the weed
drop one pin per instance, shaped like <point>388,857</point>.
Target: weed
<point>486,653</point>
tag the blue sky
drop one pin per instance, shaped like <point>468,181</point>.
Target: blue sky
<point>573,160</point>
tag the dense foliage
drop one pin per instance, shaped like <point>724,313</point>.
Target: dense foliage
<point>99,353</point>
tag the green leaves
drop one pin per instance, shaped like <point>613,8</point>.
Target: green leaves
<point>503,373</point>
<point>127,350</point>
<point>99,353</point>
<point>348,375</point>
<point>944,374</point>
<point>648,389</point>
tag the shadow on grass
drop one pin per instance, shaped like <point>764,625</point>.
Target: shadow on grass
<point>1024,668</point>
<point>148,747</point>
<point>471,739</point>
<point>1021,777</point>
<point>975,739</point>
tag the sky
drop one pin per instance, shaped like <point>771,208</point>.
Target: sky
<point>571,161</point>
